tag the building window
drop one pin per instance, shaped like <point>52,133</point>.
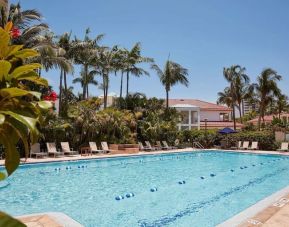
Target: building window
<point>184,127</point>
<point>224,117</point>
<point>185,117</point>
<point>194,117</point>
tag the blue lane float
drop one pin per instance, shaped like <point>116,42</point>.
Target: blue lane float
<point>119,197</point>
<point>57,169</point>
<point>154,189</point>
<point>129,195</point>
<point>241,167</point>
<point>212,175</point>
<point>253,165</point>
<point>202,178</point>
<point>182,182</point>
<point>232,170</point>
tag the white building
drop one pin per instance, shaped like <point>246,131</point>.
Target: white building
<point>200,114</point>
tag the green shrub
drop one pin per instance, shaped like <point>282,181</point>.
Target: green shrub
<point>266,139</point>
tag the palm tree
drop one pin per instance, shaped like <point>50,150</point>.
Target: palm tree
<point>225,98</point>
<point>106,61</point>
<point>132,59</point>
<point>85,80</point>
<point>266,88</point>
<point>281,104</point>
<point>84,52</point>
<point>172,74</point>
<point>237,79</point>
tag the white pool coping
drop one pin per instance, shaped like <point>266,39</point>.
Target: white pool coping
<point>61,218</point>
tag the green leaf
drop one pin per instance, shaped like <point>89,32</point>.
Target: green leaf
<point>26,53</point>
<point>39,80</point>
<point>45,104</point>
<point>17,92</point>
<point>19,71</point>
<point>2,119</point>
<point>12,157</point>
<point>2,176</point>
<point>6,220</point>
<point>5,67</point>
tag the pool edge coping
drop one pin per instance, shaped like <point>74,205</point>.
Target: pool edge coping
<point>60,217</point>
<point>253,210</point>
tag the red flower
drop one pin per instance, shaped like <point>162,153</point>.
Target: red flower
<point>15,33</point>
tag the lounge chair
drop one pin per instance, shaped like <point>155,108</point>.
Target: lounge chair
<point>67,150</point>
<point>245,145</point>
<point>104,147</point>
<point>254,146</point>
<point>35,151</point>
<point>148,144</point>
<point>167,146</point>
<point>94,148</point>
<point>51,148</point>
<point>159,145</point>
<point>284,147</point>
<point>239,146</point>
<point>142,147</point>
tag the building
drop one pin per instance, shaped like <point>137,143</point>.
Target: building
<point>269,118</point>
<point>200,114</point>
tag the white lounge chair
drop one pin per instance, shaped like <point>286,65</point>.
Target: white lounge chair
<point>105,147</point>
<point>254,146</point>
<point>94,148</point>
<point>148,144</point>
<point>142,147</point>
<point>245,145</point>
<point>167,146</point>
<point>35,151</point>
<point>51,150</point>
<point>284,147</point>
<point>67,150</point>
<point>159,145</point>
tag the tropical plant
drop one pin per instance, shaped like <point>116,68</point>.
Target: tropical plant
<point>172,74</point>
<point>266,89</point>
<point>237,79</point>
<point>84,52</point>
<point>281,104</point>
<point>20,110</point>
<point>132,58</point>
<point>86,80</point>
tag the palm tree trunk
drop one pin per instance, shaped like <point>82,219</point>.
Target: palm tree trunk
<point>65,82</point>
<point>60,92</point>
<point>87,94</point>
<point>259,119</point>
<point>127,83</point>
<point>85,81</point>
<point>234,117</point>
<point>240,112</point>
<point>243,106</point>
<point>121,82</point>
<point>167,99</point>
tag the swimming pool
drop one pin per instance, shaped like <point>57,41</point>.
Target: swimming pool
<point>189,189</point>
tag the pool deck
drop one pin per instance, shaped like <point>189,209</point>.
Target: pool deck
<point>271,211</point>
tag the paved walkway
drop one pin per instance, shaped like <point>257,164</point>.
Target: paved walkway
<point>275,215</point>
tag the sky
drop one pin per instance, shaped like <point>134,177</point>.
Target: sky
<point>203,36</point>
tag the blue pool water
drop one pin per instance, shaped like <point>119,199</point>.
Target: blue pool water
<point>86,190</point>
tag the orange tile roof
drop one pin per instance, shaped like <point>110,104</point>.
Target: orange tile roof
<point>268,118</point>
<point>208,106</point>
<point>221,124</point>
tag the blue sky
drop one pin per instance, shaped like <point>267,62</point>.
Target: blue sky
<point>203,36</point>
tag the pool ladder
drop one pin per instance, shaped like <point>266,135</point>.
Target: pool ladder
<point>198,145</point>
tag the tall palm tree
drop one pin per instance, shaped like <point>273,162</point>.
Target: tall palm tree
<point>84,53</point>
<point>85,80</point>
<point>266,88</point>
<point>236,77</point>
<point>132,59</point>
<point>172,74</point>
<point>224,97</point>
<point>281,104</point>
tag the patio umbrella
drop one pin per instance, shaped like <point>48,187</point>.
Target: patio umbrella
<point>226,131</point>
